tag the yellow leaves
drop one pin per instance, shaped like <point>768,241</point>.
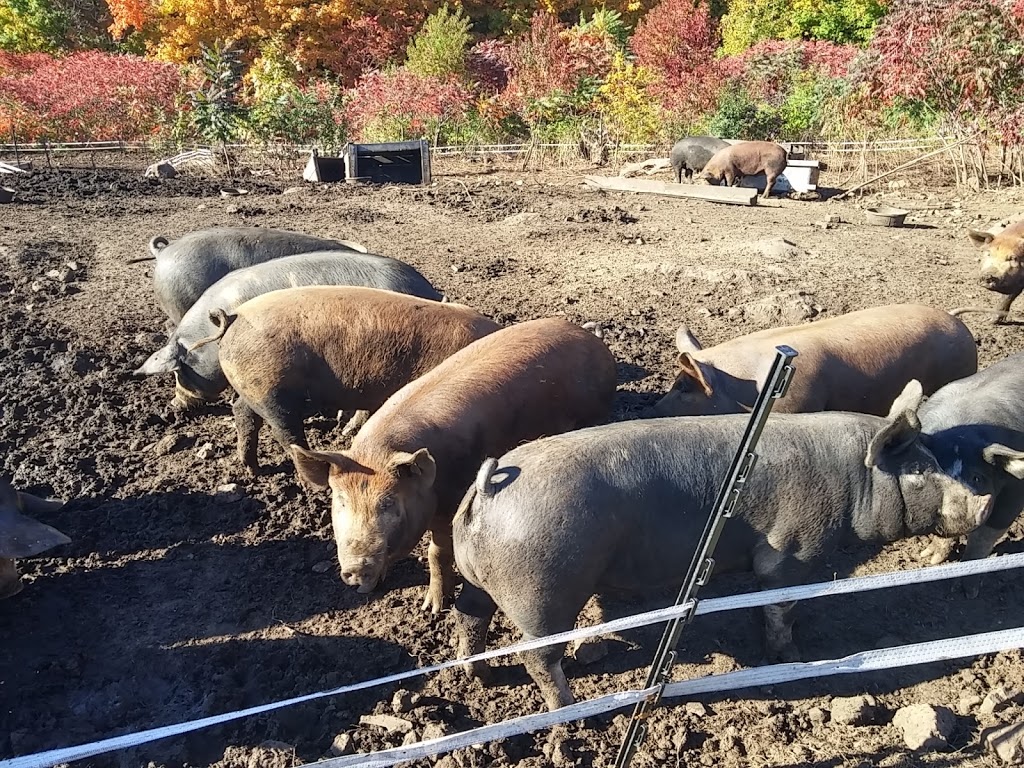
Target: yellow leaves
<point>185,24</point>
<point>631,113</point>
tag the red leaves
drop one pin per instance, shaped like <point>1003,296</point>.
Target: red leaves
<point>541,63</point>
<point>85,96</point>
<point>962,57</point>
<point>676,41</point>
<point>414,102</point>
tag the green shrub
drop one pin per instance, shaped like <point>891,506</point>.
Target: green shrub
<point>439,48</point>
<point>740,117</point>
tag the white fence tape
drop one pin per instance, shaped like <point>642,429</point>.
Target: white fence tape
<point>715,605</point>
<point>867,661</point>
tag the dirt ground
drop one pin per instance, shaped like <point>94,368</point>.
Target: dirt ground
<point>176,601</point>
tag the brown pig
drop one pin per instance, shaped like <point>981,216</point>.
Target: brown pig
<point>747,158</point>
<point>295,352</point>
<point>857,362</point>
<point>1002,263</point>
<point>20,535</point>
<point>412,462</point>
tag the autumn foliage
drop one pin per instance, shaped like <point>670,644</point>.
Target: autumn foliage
<point>89,95</point>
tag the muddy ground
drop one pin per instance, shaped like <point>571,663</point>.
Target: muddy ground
<point>176,601</point>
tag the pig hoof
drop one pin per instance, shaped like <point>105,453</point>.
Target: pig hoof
<point>479,670</point>
<point>433,602</point>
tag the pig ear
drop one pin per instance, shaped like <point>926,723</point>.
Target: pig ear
<point>314,467</point>
<point>909,399</point>
<point>33,505</point>
<point>894,437</point>
<point>690,369</point>
<point>686,341</point>
<point>22,536</point>
<point>419,465</point>
<point>164,360</point>
<point>980,238</point>
<point>1007,459</point>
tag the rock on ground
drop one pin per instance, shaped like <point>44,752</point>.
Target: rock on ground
<point>853,710</point>
<point>1006,742</point>
<point>925,727</point>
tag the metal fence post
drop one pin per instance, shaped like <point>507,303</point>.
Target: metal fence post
<point>703,563</point>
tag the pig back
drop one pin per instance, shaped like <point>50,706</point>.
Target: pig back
<point>520,383</point>
<point>200,369</point>
<point>339,342</point>
<point>188,266</point>
<point>619,508</point>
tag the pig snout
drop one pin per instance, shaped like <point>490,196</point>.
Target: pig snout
<point>364,573</point>
<point>963,510</point>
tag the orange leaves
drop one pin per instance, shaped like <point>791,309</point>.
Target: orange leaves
<point>128,14</point>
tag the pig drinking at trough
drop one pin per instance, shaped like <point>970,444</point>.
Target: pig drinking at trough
<point>620,508</point>
<point>856,362</point>
<point>690,155</point>
<point>197,372</point>
<point>1002,263</point>
<point>747,158</point>
<point>411,463</point>
<point>292,353</point>
<point>982,415</point>
<point>188,266</point>
<point>21,536</point>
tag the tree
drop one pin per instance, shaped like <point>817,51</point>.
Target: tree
<point>439,48</point>
<point>837,21</point>
<point>676,42</point>
<point>33,25</point>
<point>964,58</point>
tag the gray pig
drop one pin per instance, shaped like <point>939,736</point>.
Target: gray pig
<point>620,508</point>
<point>188,266</point>
<point>21,536</point>
<point>690,155</point>
<point>197,372</point>
<point>982,415</point>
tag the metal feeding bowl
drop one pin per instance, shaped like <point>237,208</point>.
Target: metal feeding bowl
<point>6,194</point>
<point>233,192</point>
<point>885,216</point>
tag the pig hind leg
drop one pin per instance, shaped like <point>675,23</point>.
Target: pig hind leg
<point>769,177</point>
<point>247,424</point>
<point>474,610</point>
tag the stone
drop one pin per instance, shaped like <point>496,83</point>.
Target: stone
<point>403,701</point>
<point>968,702</point>
<point>228,493</point>
<point>341,745</point>
<point>410,739</point>
<point>168,444</point>
<point>205,452</point>
<point>389,723</point>
<point>998,699</point>
<point>1006,742</point>
<point>433,731</point>
<point>696,709</point>
<point>925,727</point>
<point>853,710</point>
<point>817,715</point>
<point>323,566</point>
